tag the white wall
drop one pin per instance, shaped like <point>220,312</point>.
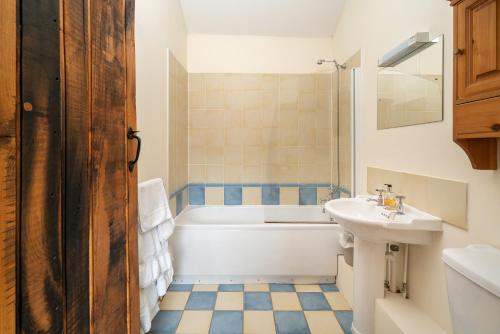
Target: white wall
<point>159,27</point>
<point>375,26</point>
<point>255,54</point>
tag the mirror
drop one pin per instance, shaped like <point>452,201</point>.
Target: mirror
<point>411,92</point>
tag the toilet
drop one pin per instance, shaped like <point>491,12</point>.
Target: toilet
<point>473,279</point>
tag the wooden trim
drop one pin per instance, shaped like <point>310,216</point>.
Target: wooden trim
<point>42,154</point>
<point>9,147</point>
<point>482,152</point>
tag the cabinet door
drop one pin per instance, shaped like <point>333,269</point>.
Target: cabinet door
<point>477,49</point>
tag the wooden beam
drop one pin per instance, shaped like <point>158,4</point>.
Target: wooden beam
<point>9,141</point>
<point>42,155</point>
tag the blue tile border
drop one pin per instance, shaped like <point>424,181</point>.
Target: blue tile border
<point>270,195</point>
<point>180,190</point>
<point>233,195</point>
<point>178,203</point>
<point>307,192</point>
<point>196,195</point>
<point>308,196</point>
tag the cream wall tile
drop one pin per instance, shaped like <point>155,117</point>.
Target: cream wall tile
<point>214,196</point>
<point>172,204</point>
<point>215,154</point>
<point>252,154</point>
<point>197,173</point>
<point>214,119</point>
<point>252,196</point>
<point>289,195</point>
<point>443,198</point>
<point>289,173</point>
<point>214,173</point>
<point>322,194</point>
<point>233,154</point>
<point>252,173</point>
<point>233,173</point>
<point>255,120</point>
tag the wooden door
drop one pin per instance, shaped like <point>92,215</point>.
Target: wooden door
<point>9,145</point>
<point>65,112</point>
<point>477,49</point>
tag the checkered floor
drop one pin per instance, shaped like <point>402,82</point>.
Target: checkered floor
<point>253,309</point>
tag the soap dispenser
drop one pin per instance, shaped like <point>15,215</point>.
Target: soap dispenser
<point>389,199</point>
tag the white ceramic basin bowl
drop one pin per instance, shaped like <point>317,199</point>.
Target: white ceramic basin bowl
<point>368,221</point>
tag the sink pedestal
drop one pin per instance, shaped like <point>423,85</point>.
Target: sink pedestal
<point>369,269</point>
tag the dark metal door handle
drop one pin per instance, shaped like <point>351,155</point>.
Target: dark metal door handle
<point>131,134</point>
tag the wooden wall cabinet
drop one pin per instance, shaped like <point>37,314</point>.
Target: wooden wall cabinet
<point>476,80</point>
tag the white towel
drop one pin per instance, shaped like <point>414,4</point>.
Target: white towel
<point>149,245</point>
<point>153,204</point>
<point>149,273</point>
<point>150,306</point>
<point>165,230</point>
<point>161,286</point>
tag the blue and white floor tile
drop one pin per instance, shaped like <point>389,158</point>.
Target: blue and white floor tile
<point>253,309</point>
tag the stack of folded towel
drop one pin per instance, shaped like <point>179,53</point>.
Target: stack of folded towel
<point>156,225</point>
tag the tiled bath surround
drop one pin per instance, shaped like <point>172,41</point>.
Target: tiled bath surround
<point>260,128</point>
<point>177,134</point>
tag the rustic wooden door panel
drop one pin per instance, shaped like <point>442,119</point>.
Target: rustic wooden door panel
<point>8,164</point>
<point>78,202</point>
<point>477,50</point>
<point>41,174</point>
<point>77,223</point>
<point>109,167</point>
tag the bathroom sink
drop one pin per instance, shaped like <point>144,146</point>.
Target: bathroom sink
<point>362,217</point>
<point>373,226</point>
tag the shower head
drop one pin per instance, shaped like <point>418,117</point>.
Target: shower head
<point>337,65</point>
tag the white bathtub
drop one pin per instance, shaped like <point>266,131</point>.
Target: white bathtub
<point>234,244</point>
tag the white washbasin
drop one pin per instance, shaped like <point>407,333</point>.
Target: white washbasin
<point>368,221</point>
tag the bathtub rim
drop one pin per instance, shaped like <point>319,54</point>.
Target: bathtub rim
<point>313,225</point>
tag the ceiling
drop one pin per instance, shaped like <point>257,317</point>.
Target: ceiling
<point>290,18</point>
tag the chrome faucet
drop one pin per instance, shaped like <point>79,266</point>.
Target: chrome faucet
<point>380,197</point>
